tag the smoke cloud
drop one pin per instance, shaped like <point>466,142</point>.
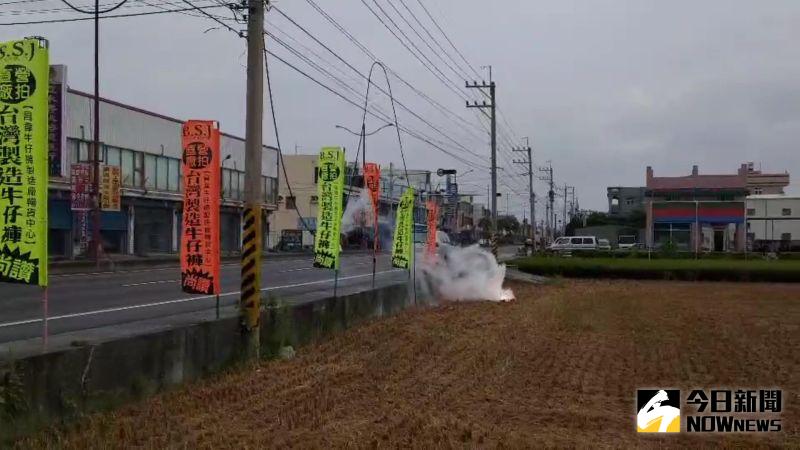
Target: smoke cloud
<point>464,274</point>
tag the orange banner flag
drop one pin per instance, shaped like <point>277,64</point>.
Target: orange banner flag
<point>372,181</point>
<point>200,243</point>
<point>433,221</point>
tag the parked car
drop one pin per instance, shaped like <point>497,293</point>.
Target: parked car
<point>603,244</point>
<point>570,243</point>
<point>626,241</point>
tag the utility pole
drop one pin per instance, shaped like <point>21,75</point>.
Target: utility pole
<point>531,194</point>
<point>551,194</point>
<point>491,107</point>
<point>97,245</point>
<point>250,300</point>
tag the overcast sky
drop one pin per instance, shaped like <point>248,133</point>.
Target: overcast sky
<point>602,88</point>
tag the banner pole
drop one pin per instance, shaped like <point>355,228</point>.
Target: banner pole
<point>217,307</point>
<point>45,314</point>
<point>335,281</point>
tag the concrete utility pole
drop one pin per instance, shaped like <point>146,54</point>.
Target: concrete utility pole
<point>531,194</point>
<point>491,106</point>
<point>551,194</point>
<point>250,300</point>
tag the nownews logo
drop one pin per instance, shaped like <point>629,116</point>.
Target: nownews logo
<point>715,411</point>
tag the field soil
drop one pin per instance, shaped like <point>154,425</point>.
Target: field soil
<point>558,367</point>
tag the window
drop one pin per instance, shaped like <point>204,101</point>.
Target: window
<point>270,190</point>
<point>629,201</point>
<point>751,211</point>
<point>291,203</point>
<point>162,173</point>
<point>149,171</point>
<point>126,162</point>
<point>786,211</point>
<point>588,241</point>
<point>242,188</point>
<point>576,241</point>
<point>112,156</point>
<point>174,178</point>
<point>614,201</point>
<point>137,168</point>
<point>316,174</point>
<point>786,236</point>
<point>757,191</point>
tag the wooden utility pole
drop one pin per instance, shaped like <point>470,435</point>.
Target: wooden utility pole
<point>250,300</point>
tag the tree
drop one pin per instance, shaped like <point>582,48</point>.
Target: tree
<point>508,224</point>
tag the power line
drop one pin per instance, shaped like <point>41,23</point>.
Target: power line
<point>402,105</point>
<point>402,128</point>
<point>448,83</point>
<point>448,112</point>
<point>114,16</point>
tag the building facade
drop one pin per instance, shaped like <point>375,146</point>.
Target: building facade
<point>773,223</point>
<point>147,148</point>
<point>624,201</point>
<point>759,183</point>
<point>697,212</point>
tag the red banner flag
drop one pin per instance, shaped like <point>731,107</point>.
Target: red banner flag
<point>372,180</point>
<point>201,195</point>
<point>433,221</point>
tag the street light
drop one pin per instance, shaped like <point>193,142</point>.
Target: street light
<point>341,127</point>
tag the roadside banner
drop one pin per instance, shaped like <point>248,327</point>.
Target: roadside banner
<point>433,220</point>
<point>330,190</point>
<point>24,103</point>
<point>372,180</point>
<point>404,231</point>
<point>80,179</point>
<point>200,245</point>
<point>110,188</point>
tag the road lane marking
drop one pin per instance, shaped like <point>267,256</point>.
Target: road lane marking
<point>183,300</point>
<point>144,283</point>
<point>266,260</point>
<point>151,282</point>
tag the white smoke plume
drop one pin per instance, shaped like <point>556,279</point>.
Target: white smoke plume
<point>359,212</point>
<point>462,274</point>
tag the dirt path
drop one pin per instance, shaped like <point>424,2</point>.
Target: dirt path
<point>559,367</point>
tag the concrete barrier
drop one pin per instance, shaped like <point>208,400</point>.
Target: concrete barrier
<point>40,389</point>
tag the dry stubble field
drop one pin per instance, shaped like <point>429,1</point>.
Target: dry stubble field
<point>559,367</point>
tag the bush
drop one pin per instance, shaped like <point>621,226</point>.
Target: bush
<point>664,269</point>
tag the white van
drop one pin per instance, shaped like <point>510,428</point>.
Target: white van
<point>570,243</point>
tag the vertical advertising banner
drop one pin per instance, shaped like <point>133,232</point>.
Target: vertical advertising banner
<point>404,231</point>
<point>330,190</point>
<point>81,186</point>
<point>110,188</point>
<point>372,181</point>
<point>24,90</point>
<point>433,221</point>
<point>200,243</point>
<point>57,137</point>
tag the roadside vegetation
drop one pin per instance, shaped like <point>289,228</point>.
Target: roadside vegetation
<point>661,267</point>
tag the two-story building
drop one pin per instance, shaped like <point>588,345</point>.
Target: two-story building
<point>147,148</point>
<point>697,212</point>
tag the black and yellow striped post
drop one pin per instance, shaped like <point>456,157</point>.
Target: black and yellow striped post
<point>250,300</point>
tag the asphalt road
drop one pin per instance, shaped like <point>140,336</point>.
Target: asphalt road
<point>90,300</point>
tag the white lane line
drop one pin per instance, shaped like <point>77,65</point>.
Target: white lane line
<point>151,282</point>
<point>266,260</point>
<point>184,300</point>
<point>145,283</point>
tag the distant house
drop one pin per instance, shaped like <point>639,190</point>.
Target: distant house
<point>697,212</point>
<point>624,201</point>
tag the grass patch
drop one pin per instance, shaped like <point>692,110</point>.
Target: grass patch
<point>663,269</point>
